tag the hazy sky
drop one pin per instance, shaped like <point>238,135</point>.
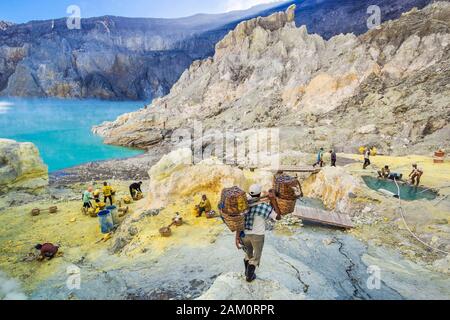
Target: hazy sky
<point>25,10</point>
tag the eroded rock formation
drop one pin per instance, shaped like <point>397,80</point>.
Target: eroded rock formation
<point>334,186</point>
<point>21,167</point>
<point>388,87</point>
<point>175,178</point>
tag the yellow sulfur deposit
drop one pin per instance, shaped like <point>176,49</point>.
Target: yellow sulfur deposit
<point>435,174</point>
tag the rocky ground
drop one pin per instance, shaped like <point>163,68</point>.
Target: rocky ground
<point>301,261</point>
<point>387,87</point>
<point>407,243</point>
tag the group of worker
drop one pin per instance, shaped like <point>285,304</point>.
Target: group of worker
<point>90,195</point>
<point>108,192</point>
<point>414,177</point>
<point>320,158</point>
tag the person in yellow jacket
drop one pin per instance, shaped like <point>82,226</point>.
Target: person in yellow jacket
<point>204,206</point>
<point>107,193</point>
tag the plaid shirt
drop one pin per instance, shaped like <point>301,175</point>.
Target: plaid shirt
<point>263,210</point>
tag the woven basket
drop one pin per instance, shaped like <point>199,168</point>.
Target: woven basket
<point>211,214</point>
<point>285,187</point>
<point>93,213</point>
<point>165,232</point>
<point>138,196</point>
<point>126,200</point>
<point>234,223</point>
<point>233,201</point>
<point>286,206</point>
<point>53,209</point>
<point>35,212</point>
<point>123,209</point>
<point>101,205</point>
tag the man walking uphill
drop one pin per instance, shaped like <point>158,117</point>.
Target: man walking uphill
<point>252,239</point>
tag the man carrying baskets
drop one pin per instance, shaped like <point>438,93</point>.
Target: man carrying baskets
<point>252,239</point>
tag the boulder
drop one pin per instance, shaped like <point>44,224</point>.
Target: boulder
<point>175,177</point>
<point>21,168</point>
<point>334,186</point>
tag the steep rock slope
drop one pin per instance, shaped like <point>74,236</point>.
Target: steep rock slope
<point>388,87</point>
<point>109,57</point>
<point>124,58</point>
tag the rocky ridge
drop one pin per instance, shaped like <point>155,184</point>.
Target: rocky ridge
<point>133,58</point>
<point>388,87</point>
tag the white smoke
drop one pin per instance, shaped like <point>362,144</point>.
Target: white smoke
<point>5,106</point>
<point>232,5</point>
<point>10,289</point>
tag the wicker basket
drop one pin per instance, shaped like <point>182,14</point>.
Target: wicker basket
<point>165,232</point>
<point>93,213</point>
<point>138,196</point>
<point>101,205</point>
<point>35,212</point>
<point>233,201</point>
<point>53,209</point>
<point>286,206</point>
<point>285,187</point>
<point>124,210</point>
<point>126,200</point>
<point>211,214</point>
<point>234,223</point>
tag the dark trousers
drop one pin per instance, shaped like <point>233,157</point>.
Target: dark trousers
<point>333,163</point>
<point>110,199</point>
<point>319,162</point>
<point>133,192</point>
<point>87,205</point>
<point>366,163</point>
<point>201,211</point>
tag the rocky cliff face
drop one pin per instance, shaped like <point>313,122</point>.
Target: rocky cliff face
<point>387,87</point>
<point>122,58</point>
<point>109,57</point>
<point>21,168</point>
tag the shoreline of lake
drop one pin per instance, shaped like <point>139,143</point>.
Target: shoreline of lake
<point>61,128</point>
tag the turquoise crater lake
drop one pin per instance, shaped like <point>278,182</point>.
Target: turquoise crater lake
<point>61,129</point>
